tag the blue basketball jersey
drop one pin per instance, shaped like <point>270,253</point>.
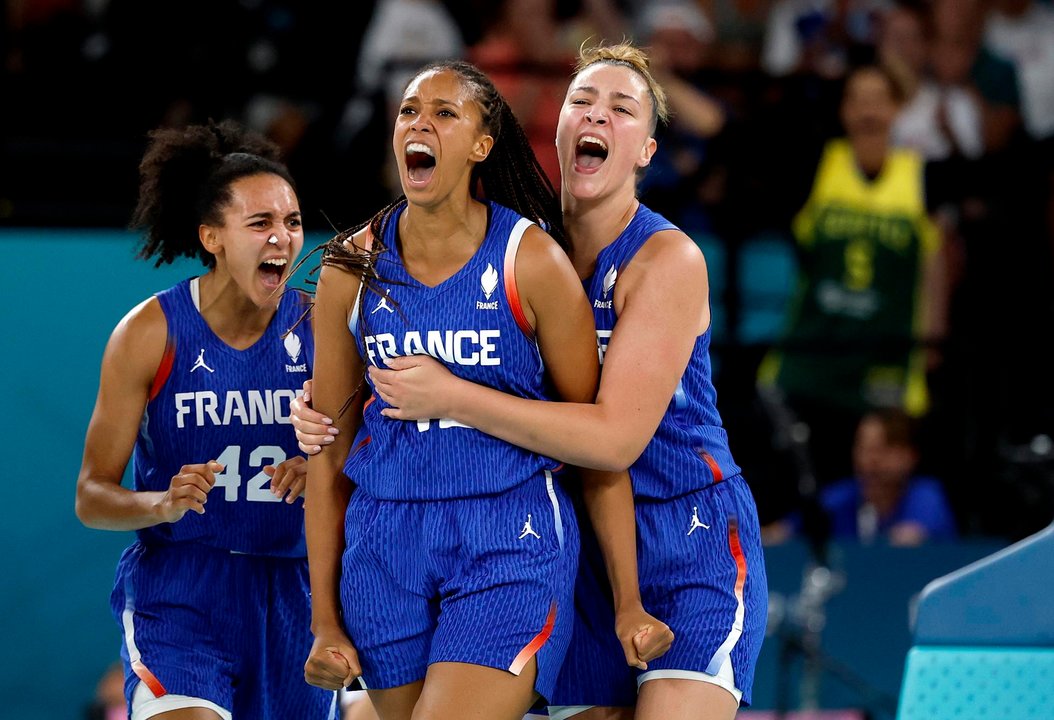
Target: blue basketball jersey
<point>472,322</point>
<point>690,448</point>
<point>211,401</point>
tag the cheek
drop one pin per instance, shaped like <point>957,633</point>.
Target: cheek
<point>563,130</point>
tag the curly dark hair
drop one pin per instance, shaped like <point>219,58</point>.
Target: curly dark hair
<point>185,180</point>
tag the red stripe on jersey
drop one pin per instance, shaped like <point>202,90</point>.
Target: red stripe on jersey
<point>165,368</point>
<point>366,440</point>
<point>714,467</point>
<point>148,678</point>
<point>531,648</point>
<point>513,293</point>
<point>737,554</point>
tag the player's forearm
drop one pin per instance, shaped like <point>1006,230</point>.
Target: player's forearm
<point>324,530</point>
<point>609,501</point>
<point>580,434</point>
<point>105,505</point>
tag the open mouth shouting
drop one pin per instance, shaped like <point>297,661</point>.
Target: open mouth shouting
<point>420,163</point>
<point>590,154</point>
<point>272,272</point>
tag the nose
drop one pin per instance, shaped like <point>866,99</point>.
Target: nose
<point>420,124</point>
<point>596,117</point>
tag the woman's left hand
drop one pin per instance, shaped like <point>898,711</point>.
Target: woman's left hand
<point>288,477</point>
<point>418,387</point>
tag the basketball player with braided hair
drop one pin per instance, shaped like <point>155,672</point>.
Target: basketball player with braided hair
<point>445,579</point>
<point>700,562</point>
<point>212,597</point>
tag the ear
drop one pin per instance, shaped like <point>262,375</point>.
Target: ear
<point>482,149</point>
<point>210,239</point>
<point>646,153</point>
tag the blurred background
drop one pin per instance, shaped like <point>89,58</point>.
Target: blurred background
<point>856,520</point>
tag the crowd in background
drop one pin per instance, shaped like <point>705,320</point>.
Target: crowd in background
<point>756,88</point>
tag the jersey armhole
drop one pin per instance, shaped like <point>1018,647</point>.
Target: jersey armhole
<point>168,359</point>
<point>512,292</point>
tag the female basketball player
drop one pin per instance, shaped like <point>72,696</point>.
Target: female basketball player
<point>700,561</point>
<point>446,579</point>
<point>212,598</point>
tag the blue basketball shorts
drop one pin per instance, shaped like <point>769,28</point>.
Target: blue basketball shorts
<point>702,572</point>
<point>202,623</point>
<point>485,580</point>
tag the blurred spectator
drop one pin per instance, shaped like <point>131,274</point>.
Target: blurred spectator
<point>528,50</point>
<point>884,499</point>
<point>943,115</point>
<point>872,290</point>
<point>819,37</point>
<point>402,36</point>
<point>680,38</point>
<point>1023,31</point>
<point>739,29</point>
<point>109,702</point>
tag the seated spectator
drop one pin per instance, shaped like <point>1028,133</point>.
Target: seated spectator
<point>884,499</point>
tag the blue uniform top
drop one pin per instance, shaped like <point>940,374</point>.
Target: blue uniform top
<point>472,322</point>
<point>690,448</point>
<point>211,401</point>
<point>923,502</point>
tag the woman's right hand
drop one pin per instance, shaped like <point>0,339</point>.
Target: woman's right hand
<point>313,429</point>
<point>643,636</point>
<point>188,490</point>
<point>333,662</point>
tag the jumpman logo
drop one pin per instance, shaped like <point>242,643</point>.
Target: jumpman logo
<point>528,530</point>
<point>383,304</point>
<point>200,362</point>
<point>696,522</point>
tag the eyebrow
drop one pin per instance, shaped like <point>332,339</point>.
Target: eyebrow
<point>593,91</point>
<point>437,101</point>
<point>267,215</point>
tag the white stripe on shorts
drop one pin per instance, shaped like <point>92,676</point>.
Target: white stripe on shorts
<point>556,508</point>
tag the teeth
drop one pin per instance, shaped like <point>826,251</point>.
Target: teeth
<point>279,262</point>
<point>419,148</point>
<point>595,141</point>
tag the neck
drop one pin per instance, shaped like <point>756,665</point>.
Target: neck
<point>429,233</point>
<point>870,152</point>
<point>436,242</point>
<point>884,498</point>
<point>591,225</point>
<point>235,319</point>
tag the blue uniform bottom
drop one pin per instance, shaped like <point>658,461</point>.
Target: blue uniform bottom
<point>228,628</point>
<point>486,580</point>
<point>701,571</point>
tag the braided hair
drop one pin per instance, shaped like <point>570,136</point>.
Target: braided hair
<point>185,180</point>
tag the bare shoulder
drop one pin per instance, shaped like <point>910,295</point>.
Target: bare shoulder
<point>143,325</point>
<point>670,252</point>
<point>337,280</point>
<point>138,342</point>
<point>539,253</point>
